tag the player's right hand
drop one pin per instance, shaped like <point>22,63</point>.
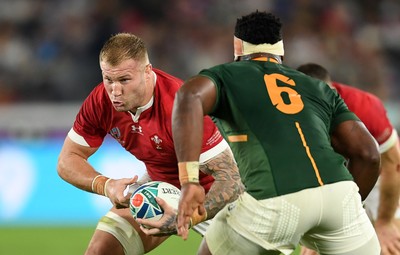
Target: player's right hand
<point>164,226</point>
<point>192,198</point>
<point>115,190</point>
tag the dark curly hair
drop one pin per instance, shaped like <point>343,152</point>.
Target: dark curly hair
<point>258,28</point>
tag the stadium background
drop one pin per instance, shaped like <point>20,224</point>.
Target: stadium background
<point>49,63</point>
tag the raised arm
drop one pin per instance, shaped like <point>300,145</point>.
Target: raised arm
<point>353,140</point>
<point>194,100</point>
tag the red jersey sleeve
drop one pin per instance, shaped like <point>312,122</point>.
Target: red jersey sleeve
<point>92,116</point>
<point>370,110</point>
<point>211,140</point>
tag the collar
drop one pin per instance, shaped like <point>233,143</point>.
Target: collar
<point>261,56</point>
<point>139,110</point>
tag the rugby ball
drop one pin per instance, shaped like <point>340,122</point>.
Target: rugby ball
<point>143,202</point>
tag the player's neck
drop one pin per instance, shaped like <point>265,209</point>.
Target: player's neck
<point>149,96</point>
<point>261,56</point>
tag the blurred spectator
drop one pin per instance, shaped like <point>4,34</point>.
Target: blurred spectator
<point>49,47</point>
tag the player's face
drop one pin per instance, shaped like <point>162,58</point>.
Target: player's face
<point>128,84</point>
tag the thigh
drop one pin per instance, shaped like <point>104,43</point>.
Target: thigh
<point>344,227</point>
<point>118,233</point>
<point>222,239</point>
<point>104,243</point>
<point>371,246</point>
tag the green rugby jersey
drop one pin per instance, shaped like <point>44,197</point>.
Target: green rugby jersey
<point>278,123</point>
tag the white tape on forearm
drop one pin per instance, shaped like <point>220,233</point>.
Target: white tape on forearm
<point>188,172</point>
<point>99,184</point>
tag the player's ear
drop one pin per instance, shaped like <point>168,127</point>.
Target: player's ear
<point>148,71</point>
<point>148,68</point>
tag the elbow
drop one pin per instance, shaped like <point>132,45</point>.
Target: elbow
<point>365,159</point>
<point>376,161</point>
<point>61,168</point>
<point>373,158</point>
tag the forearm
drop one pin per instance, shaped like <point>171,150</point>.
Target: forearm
<point>77,171</point>
<point>359,170</point>
<point>354,142</point>
<point>389,184</point>
<point>227,185</point>
<point>389,197</point>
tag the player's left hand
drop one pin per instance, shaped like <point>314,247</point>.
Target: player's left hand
<point>192,198</point>
<point>164,226</point>
<point>389,237</point>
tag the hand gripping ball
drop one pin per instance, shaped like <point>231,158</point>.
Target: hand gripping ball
<point>143,202</point>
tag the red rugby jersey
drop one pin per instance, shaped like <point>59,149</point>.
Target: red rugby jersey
<point>371,111</point>
<point>149,137</point>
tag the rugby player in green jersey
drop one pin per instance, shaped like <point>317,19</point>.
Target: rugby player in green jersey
<point>290,140</point>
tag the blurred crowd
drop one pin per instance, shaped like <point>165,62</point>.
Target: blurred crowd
<point>49,48</point>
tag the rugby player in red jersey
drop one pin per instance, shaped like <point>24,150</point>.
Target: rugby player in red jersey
<point>382,204</point>
<point>134,104</point>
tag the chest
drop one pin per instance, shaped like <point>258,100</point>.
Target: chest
<point>148,137</point>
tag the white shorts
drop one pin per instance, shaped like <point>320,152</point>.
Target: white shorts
<point>329,218</point>
<point>371,203</point>
<point>130,240</point>
<point>124,232</point>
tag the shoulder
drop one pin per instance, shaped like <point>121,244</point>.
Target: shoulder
<point>225,68</point>
<point>358,98</point>
<point>98,97</point>
<point>96,104</point>
<point>350,91</point>
<point>166,84</point>
<point>369,108</point>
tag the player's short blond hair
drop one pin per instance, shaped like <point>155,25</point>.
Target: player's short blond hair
<point>123,46</point>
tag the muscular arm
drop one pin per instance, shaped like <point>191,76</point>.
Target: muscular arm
<point>73,166</point>
<point>226,188</point>
<point>227,185</point>
<point>353,141</point>
<point>389,183</point>
<point>193,100</point>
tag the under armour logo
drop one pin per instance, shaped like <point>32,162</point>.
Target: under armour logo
<point>137,129</point>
